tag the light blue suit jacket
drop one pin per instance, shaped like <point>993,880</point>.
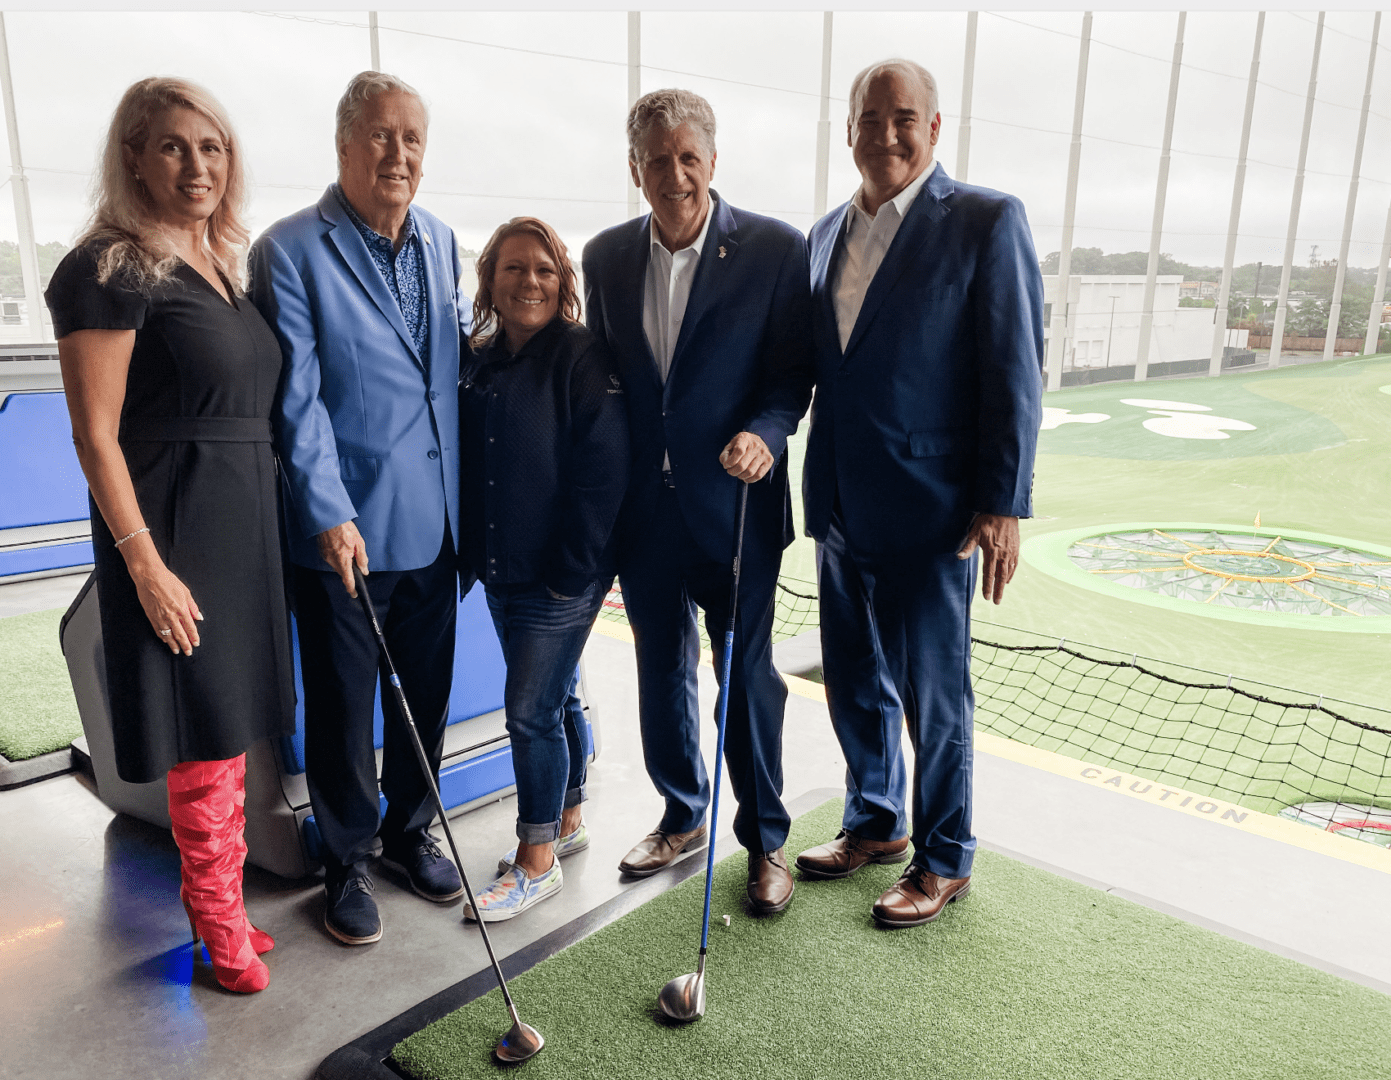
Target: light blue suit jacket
<point>367,429</point>
<point>931,412</point>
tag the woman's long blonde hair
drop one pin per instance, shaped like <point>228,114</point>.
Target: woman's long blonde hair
<point>123,221</point>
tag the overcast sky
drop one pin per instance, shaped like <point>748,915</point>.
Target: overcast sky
<point>514,131</point>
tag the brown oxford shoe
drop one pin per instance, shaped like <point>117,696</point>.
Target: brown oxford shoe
<point>847,853</point>
<point>770,883</point>
<point>657,849</point>
<point>918,897</point>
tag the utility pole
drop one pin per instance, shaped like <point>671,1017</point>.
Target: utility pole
<point>1277,332</point>
<point>823,126</point>
<point>374,40</point>
<point>1161,190</point>
<point>1335,307</point>
<point>634,91</point>
<point>1219,329</point>
<point>968,82</point>
<point>19,186</point>
<point>1058,332</point>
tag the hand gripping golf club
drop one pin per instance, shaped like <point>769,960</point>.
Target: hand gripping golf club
<point>522,1040</point>
<point>683,998</point>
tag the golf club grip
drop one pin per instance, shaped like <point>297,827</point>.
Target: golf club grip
<point>741,511</point>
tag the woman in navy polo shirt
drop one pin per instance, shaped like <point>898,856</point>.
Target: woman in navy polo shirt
<point>544,465</point>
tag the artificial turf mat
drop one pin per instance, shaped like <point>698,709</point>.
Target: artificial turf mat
<point>38,713</point>
<point>1033,977</point>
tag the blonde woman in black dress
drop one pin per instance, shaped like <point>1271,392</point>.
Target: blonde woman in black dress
<point>170,374</point>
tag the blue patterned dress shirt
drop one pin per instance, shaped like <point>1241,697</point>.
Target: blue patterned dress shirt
<point>402,271</point>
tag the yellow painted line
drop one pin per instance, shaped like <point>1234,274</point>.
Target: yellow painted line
<point>1186,802</point>
<point>1225,813</point>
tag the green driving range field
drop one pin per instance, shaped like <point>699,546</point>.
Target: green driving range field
<point>1304,447</point>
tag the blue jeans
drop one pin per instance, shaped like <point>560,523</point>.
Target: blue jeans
<point>542,639</point>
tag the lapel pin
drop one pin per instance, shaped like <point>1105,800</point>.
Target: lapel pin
<point>722,251</point>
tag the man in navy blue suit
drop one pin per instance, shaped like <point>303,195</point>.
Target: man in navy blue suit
<point>706,308</point>
<point>928,314</point>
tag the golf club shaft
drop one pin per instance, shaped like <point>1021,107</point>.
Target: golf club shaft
<point>723,712</point>
<point>429,772</point>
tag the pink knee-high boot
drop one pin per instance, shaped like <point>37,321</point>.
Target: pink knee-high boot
<point>203,805</point>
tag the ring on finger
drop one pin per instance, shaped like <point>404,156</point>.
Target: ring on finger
<point>165,633</point>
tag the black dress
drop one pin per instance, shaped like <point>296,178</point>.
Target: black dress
<point>196,434</point>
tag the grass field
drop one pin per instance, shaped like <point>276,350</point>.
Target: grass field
<point>1318,460</point>
<point>37,710</point>
<point>1031,976</point>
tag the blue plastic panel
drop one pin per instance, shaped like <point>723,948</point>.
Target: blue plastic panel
<point>459,783</point>
<point>52,557</point>
<point>41,482</point>
<point>479,677</point>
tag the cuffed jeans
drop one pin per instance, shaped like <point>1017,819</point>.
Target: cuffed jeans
<point>542,639</point>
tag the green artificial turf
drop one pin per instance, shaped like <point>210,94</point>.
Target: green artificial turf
<point>1032,977</point>
<point>38,713</point>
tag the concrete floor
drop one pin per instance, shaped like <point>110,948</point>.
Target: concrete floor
<point>97,980</point>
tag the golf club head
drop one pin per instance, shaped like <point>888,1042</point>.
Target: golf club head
<point>522,1041</point>
<point>683,999</point>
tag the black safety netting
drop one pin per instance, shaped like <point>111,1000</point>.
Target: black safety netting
<point>1309,757</point>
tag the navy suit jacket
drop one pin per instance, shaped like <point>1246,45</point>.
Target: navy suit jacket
<point>742,363</point>
<point>932,411</point>
<point>368,429</point>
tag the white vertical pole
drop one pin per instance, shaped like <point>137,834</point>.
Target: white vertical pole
<point>823,126</point>
<point>1277,332</point>
<point>634,91</point>
<point>1058,324</point>
<point>19,185</point>
<point>1335,309</point>
<point>375,42</point>
<point>968,82</point>
<point>1379,296</point>
<point>1219,326</point>
<point>1161,191</point>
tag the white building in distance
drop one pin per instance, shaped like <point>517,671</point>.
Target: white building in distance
<point>1103,322</point>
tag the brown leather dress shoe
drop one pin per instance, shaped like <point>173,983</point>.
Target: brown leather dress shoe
<point>918,897</point>
<point>770,883</point>
<point>847,853</point>
<point>657,849</point>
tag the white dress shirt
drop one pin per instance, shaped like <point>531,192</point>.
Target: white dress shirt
<point>667,291</point>
<point>867,240</point>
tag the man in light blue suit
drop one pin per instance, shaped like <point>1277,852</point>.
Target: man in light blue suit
<point>928,316</point>
<point>362,290</point>
<point>705,307</point>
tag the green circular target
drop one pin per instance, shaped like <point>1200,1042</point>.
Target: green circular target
<point>1228,572</point>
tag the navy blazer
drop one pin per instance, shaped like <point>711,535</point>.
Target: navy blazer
<point>742,363</point>
<point>545,460</point>
<point>368,429</point>
<point>932,411</point>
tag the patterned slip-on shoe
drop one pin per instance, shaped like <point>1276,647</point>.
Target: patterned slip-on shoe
<point>514,892</point>
<point>566,845</point>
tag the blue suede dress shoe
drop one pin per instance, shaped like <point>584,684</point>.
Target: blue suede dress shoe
<point>419,858</point>
<point>351,913</point>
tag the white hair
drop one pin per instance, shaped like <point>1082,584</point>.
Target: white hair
<point>910,70</point>
<point>671,109</point>
<point>362,88</point>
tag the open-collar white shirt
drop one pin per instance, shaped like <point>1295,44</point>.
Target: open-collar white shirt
<point>667,291</point>
<point>867,240</point>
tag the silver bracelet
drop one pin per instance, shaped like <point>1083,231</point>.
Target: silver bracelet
<point>131,536</point>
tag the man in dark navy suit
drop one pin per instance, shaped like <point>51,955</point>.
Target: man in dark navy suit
<point>707,309</point>
<point>928,314</point>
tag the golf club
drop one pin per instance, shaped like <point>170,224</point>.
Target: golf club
<point>683,998</point>
<point>522,1040</point>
